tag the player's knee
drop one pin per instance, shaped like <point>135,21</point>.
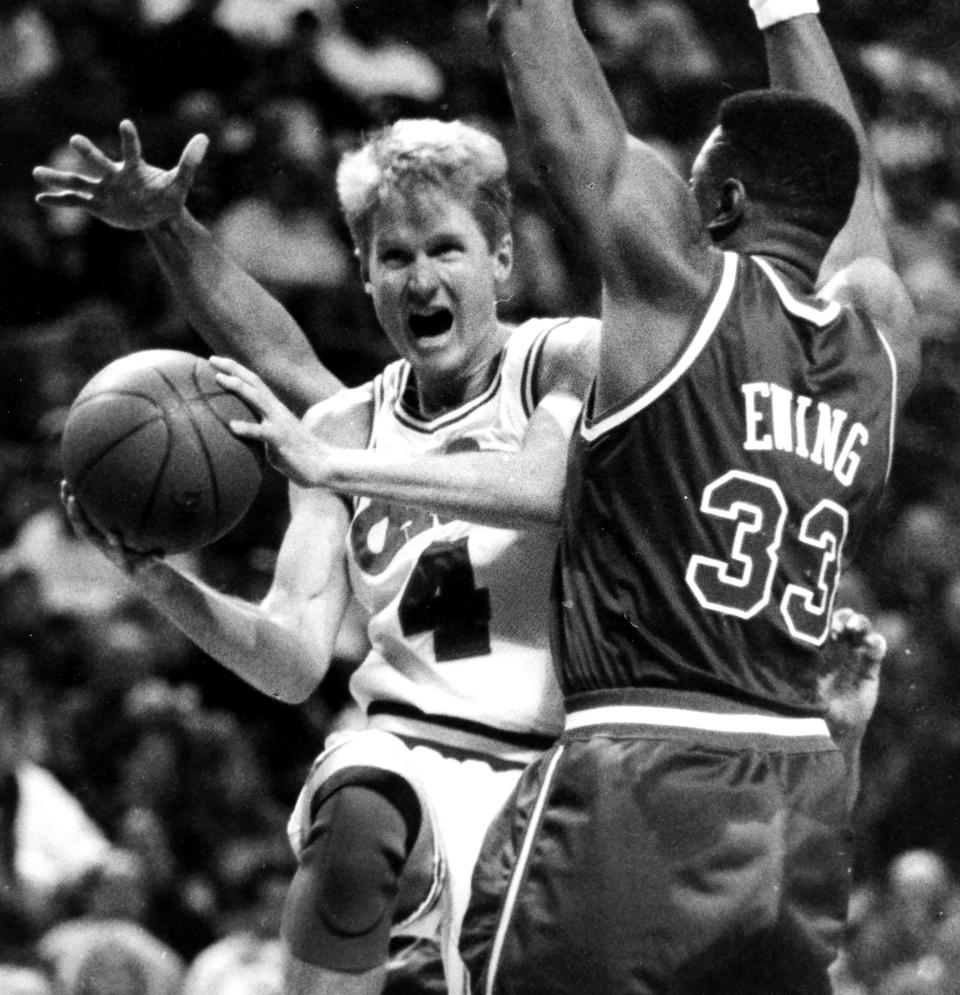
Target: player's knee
<point>342,900</point>
<point>356,856</point>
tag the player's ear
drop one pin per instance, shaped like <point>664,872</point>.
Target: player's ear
<point>364,265</point>
<point>503,259</point>
<point>728,213</point>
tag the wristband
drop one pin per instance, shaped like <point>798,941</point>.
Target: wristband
<point>770,12</point>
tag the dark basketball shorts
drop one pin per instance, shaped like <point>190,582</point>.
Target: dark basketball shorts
<point>661,850</point>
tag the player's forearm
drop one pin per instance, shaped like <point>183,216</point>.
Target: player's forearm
<point>504,490</point>
<point>237,634</point>
<point>566,111</point>
<point>236,316</point>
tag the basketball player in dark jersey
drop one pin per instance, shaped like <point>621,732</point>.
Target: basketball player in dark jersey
<point>689,831</point>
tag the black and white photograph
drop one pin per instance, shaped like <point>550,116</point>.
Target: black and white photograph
<point>479,497</point>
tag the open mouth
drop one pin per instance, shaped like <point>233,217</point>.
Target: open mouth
<point>427,325</point>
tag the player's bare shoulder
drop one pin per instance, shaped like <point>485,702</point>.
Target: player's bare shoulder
<point>655,232</point>
<point>345,419</point>
<point>568,362</point>
<point>871,285</point>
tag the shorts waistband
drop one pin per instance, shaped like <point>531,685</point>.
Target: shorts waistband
<point>757,723</point>
<point>460,739</point>
<point>677,714</point>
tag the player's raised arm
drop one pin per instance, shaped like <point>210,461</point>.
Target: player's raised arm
<point>624,199</point>
<point>635,213</point>
<point>233,313</point>
<point>567,114</point>
<point>859,266</point>
<point>236,316</point>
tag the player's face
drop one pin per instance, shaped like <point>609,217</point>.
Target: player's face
<point>434,282</point>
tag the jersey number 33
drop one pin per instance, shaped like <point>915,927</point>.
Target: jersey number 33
<point>741,585</point>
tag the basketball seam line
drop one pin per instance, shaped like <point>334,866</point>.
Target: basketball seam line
<point>204,448</point>
<point>113,445</point>
<point>115,392</point>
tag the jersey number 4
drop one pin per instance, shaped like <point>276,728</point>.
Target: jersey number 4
<point>441,595</point>
<point>742,584</point>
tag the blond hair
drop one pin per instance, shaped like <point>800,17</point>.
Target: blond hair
<point>416,155</point>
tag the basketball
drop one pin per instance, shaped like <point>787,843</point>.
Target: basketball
<point>148,453</point>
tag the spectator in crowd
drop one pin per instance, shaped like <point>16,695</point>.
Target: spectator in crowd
<point>48,843</point>
<point>18,980</point>
<point>106,950</point>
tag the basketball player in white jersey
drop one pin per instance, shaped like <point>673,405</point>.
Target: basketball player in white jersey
<point>457,688</point>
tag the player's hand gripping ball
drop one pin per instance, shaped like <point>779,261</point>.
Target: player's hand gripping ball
<point>148,453</point>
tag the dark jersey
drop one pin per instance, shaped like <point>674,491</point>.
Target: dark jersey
<point>707,517</point>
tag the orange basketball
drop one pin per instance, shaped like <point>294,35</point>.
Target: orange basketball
<point>148,453</point>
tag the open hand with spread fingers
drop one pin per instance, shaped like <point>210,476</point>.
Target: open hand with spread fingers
<point>129,194</point>
<point>849,680</point>
<point>290,446</point>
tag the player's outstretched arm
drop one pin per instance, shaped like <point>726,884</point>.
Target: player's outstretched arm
<point>282,646</point>
<point>574,129</point>
<point>228,308</point>
<point>859,266</point>
<point>517,488</point>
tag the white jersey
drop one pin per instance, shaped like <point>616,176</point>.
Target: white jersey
<point>458,611</point>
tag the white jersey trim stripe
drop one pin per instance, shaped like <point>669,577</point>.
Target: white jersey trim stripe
<point>531,365</point>
<point>816,316</point>
<point>429,426</point>
<point>708,326</point>
<point>379,387</point>
<point>688,718</point>
<point>894,393</point>
<point>823,317</point>
<point>519,872</point>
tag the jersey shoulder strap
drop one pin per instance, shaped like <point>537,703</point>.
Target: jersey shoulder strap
<point>522,361</point>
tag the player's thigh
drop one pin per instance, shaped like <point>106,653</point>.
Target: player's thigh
<point>819,848</point>
<point>465,796</point>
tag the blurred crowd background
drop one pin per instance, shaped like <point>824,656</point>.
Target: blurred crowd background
<point>143,790</point>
